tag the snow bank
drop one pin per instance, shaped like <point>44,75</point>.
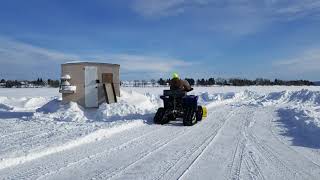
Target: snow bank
<point>4,107</point>
<point>303,97</point>
<point>134,105</point>
<point>131,105</point>
<point>54,110</point>
<point>301,124</point>
<point>22,104</point>
<point>205,97</point>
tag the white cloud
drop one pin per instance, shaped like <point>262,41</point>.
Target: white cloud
<point>150,8</point>
<point>15,52</point>
<point>25,61</point>
<point>145,63</point>
<point>267,7</point>
<point>238,17</point>
<point>305,62</point>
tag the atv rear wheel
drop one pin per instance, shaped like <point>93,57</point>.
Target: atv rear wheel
<point>199,113</point>
<point>190,117</point>
<point>159,115</point>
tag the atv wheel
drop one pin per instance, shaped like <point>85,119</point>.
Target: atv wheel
<point>159,116</point>
<point>171,117</point>
<point>190,117</point>
<point>199,113</point>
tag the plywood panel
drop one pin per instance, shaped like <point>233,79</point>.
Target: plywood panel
<point>107,78</point>
<point>109,93</point>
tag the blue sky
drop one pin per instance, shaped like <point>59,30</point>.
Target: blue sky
<point>153,38</point>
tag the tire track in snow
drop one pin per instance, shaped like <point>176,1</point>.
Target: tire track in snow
<point>18,132</point>
<point>275,161</point>
<point>255,165</point>
<point>269,155</point>
<point>249,160</point>
<point>252,167</point>
<point>102,159</point>
<point>34,138</point>
<point>98,135</point>
<point>31,172</point>
<point>158,145</point>
<point>237,158</point>
<point>274,156</point>
<point>187,155</point>
<point>96,155</point>
<point>201,149</point>
<point>45,167</point>
<point>31,138</point>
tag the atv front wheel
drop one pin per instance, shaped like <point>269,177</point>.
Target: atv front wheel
<point>190,117</point>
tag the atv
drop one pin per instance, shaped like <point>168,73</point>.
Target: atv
<point>177,104</point>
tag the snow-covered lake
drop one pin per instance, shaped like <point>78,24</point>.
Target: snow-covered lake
<point>269,132</point>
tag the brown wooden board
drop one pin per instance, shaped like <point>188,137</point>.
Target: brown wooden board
<point>110,93</point>
<point>105,93</point>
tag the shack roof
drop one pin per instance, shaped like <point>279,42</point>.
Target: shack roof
<point>89,63</point>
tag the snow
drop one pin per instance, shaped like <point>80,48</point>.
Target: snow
<point>254,132</point>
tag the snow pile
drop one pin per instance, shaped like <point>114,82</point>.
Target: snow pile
<point>141,101</point>
<point>298,97</point>
<point>22,104</point>
<point>299,110</point>
<point>4,107</point>
<point>54,110</point>
<point>131,105</point>
<point>246,97</point>
<point>240,98</point>
<point>205,97</point>
<point>302,124</point>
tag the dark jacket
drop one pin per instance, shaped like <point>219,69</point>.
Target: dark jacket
<point>178,84</point>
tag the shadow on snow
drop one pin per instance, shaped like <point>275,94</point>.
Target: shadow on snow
<point>300,127</point>
<point>16,115</point>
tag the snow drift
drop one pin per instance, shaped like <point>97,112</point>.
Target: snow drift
<point>131,105</point>
<point>22,104</point>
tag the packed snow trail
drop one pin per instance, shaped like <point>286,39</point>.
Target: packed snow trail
<point>245,136</point>
<point>232,143</point>
<point>138,145</point>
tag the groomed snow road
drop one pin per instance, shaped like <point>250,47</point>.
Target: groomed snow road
<point>240,139</point>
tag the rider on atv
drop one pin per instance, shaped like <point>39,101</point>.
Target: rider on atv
<point>177,84</point>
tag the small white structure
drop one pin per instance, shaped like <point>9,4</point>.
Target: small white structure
<point>90,83</point>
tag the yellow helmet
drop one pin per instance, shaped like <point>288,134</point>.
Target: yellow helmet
<point>175,76</point>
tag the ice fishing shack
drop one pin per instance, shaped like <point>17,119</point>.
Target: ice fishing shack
<point>90,83</point>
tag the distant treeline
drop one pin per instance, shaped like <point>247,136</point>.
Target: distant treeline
<point>33,83</point>
<point>241,82</point>
<point>163,82</point>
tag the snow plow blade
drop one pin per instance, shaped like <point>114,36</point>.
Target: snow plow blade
<point>204,112</point>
